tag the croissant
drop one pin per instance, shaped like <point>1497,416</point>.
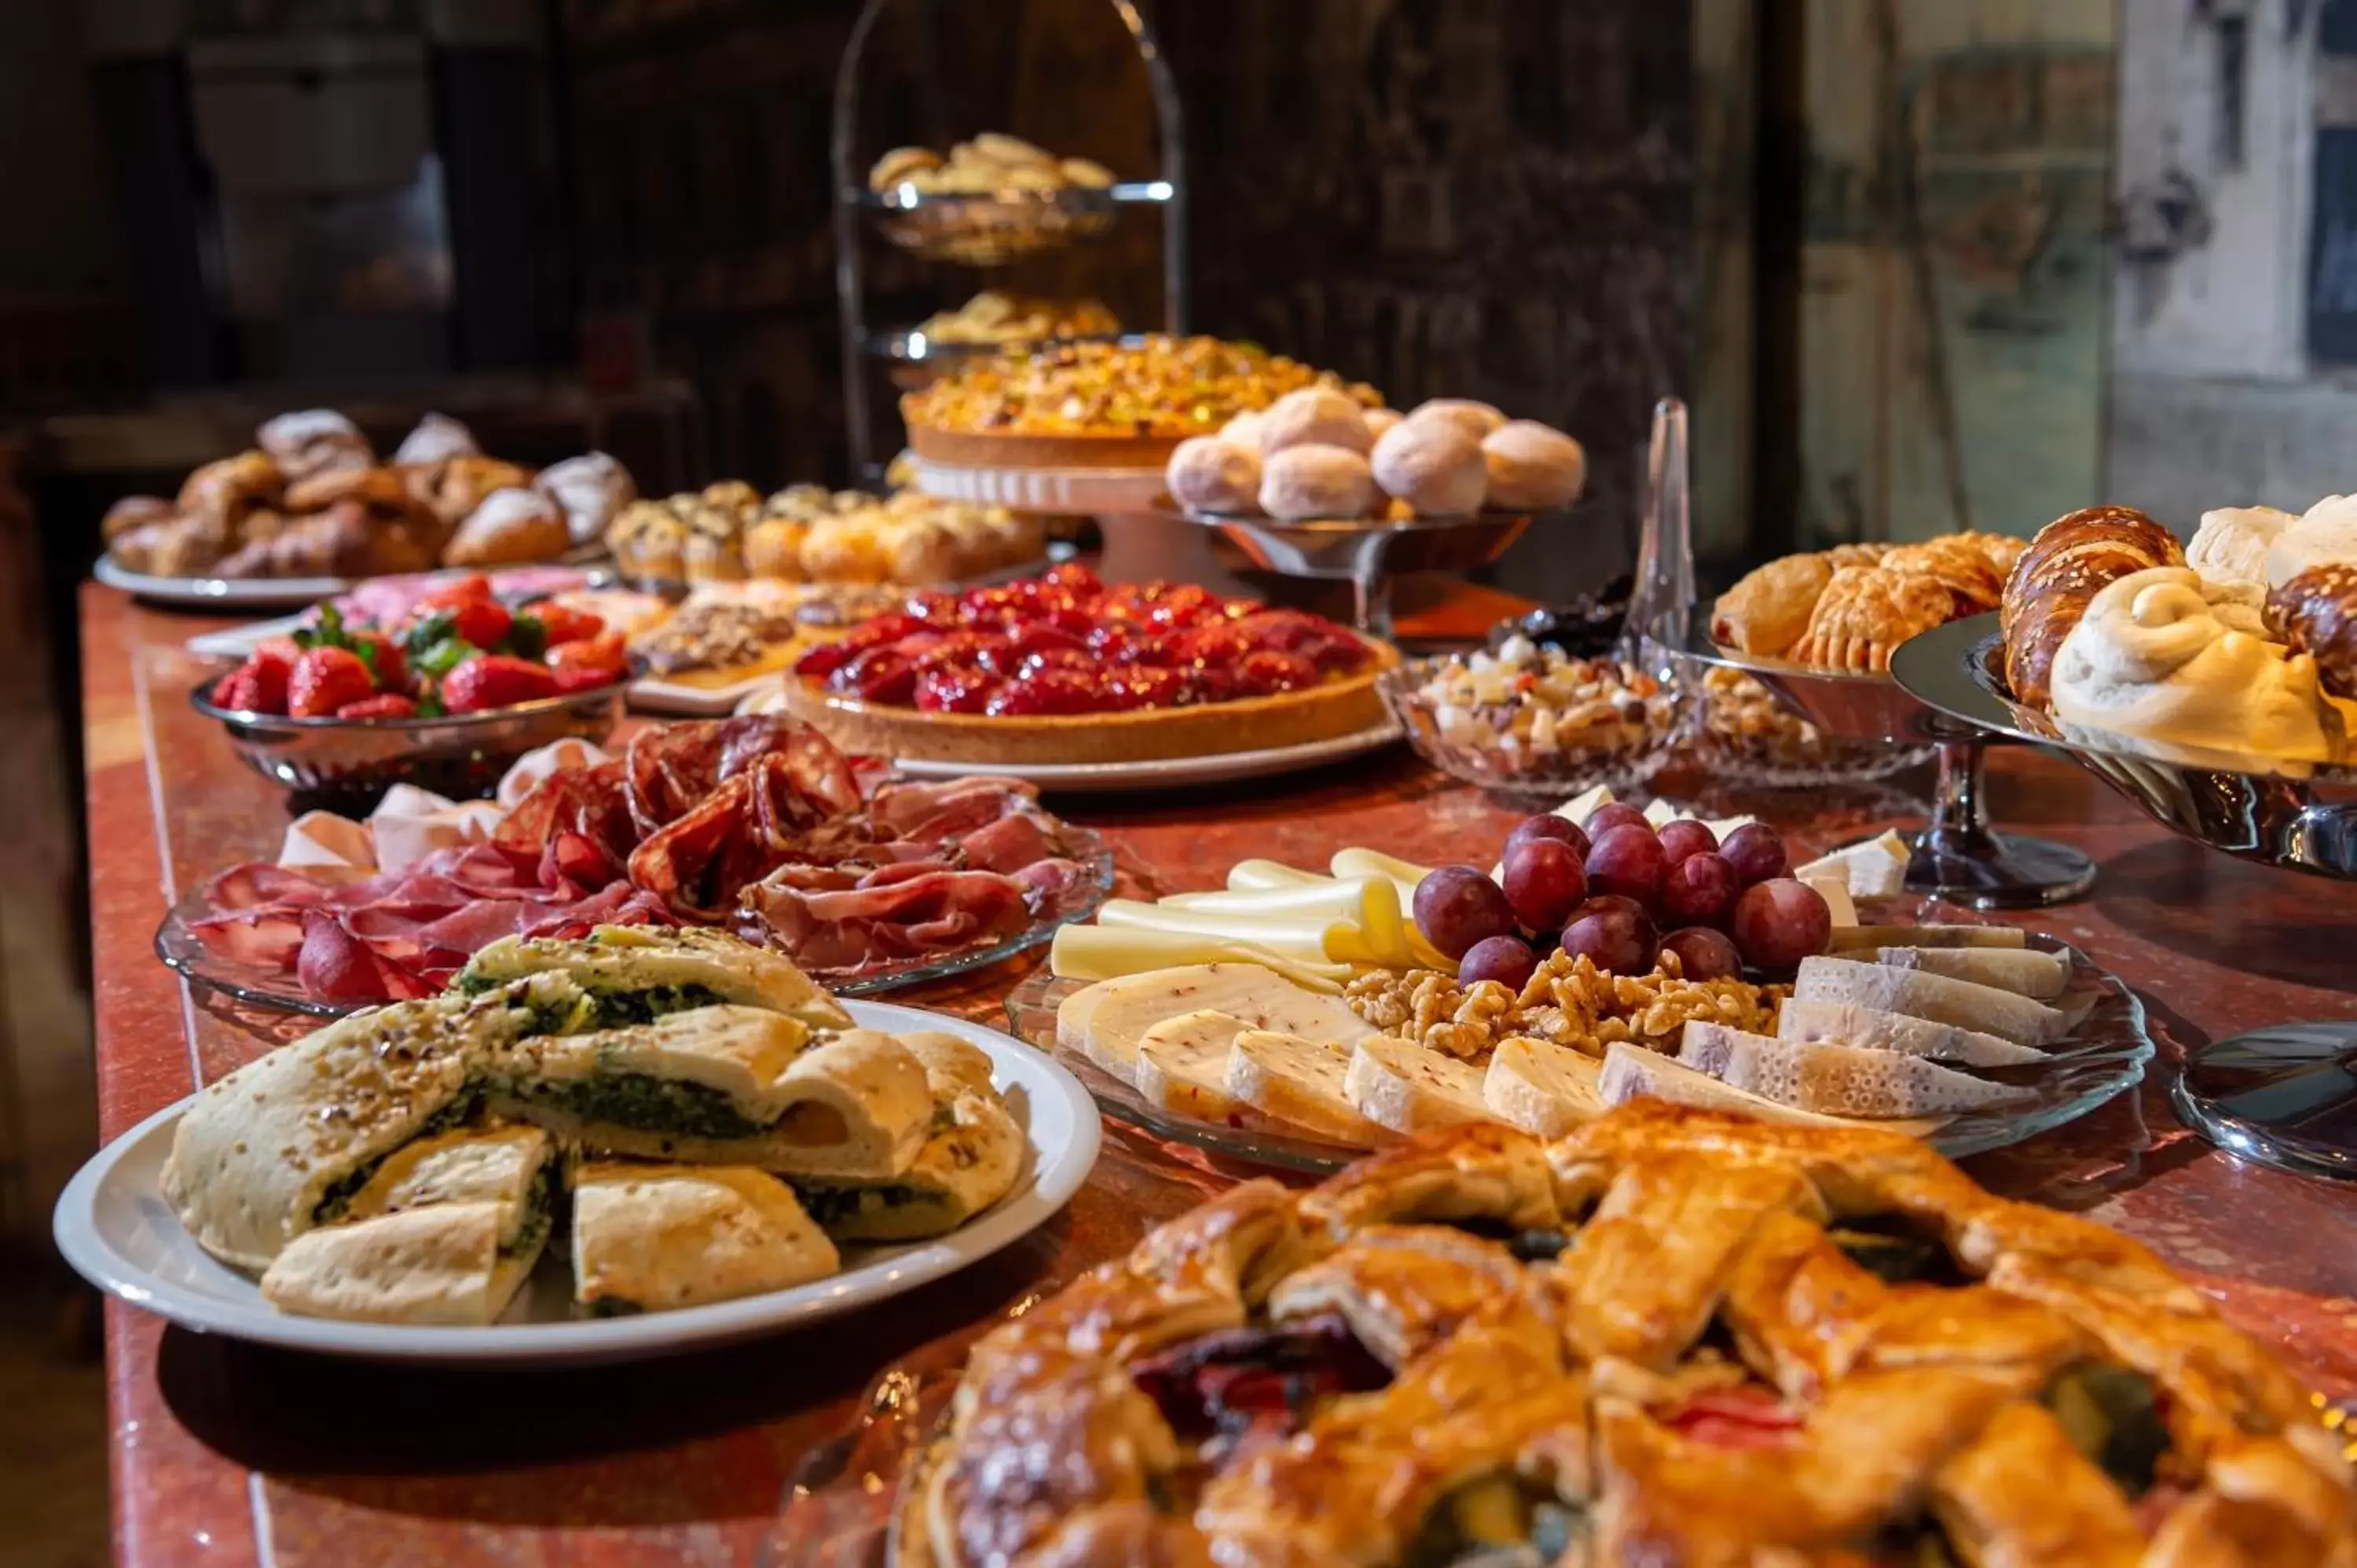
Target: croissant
<point>2071,560</point>
<point>1956,566</point>
<point>1866,612</point>
<point>2317,614</point>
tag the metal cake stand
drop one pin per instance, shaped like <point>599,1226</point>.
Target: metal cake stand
<point>2284,1096</point>
<point>1370,553</point>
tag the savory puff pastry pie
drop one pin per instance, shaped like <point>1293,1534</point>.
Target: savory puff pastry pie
<point>1675,1336</point>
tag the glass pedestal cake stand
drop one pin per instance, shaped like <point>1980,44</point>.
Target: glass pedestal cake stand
<point>1958,856</point>
<point>2284,1096</point>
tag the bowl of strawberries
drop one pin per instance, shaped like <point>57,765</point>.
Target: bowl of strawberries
<point>446,698</point>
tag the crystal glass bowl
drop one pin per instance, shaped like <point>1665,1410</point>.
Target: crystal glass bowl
<point>1536,749</point>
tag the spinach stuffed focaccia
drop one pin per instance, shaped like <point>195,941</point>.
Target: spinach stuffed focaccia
<point>279,1145</point>
<point>635,976</point>
<point>445,1232</point>
<point>650,1238</point>
<point>970,1157</point>
<point>725,1085</point>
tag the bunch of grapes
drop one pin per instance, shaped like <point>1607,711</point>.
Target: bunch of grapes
<point>1610,891</point>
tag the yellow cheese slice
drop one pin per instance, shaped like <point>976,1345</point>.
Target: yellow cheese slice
<point>1251,875</point>
<point>1106,952</point>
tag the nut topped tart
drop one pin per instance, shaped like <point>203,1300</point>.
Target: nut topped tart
<point>1062,669</point>
<point>1675,1337</point>
<point>1101,405</point>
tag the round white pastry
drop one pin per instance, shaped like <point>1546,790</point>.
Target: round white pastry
<point>1316,481</point>
<point>1210,473</point>
<point>1381,422</point>
<point>1435,464</point>
<point>2230,546</point>
<point>590,490</point>
<point>2326,533</point>
<point>1315,416</point>
<point>1243,430</point>
<point>1532,467</point>
<point>437,436</point>
<point>1479,418</point>
<point>2155,660</point>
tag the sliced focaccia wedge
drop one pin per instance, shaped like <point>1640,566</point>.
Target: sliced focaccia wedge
<point>1838,1080</point>
<point>1410,1088</point>
<point>726,1086</point>
<point>1300,1082</point>
<point>651,1238</point>
<point>635,974</point>
<point>972,1159</point>
<point>261,1154</point>
<point>445,1232</point>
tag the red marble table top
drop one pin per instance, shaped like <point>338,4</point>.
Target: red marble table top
<point>227,1454</point>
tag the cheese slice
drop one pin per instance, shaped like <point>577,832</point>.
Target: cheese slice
<point>1301,938</point>
<point>1542,1087</point>
<point>1632,1072</point>
<point>1579,807</point>
<point>1849,939</point>
<point>318,840</point>
<point>1880,1031</point>
<point>1875,869</point>
<point>1254,876</point>
<point>1181,1065</point>
<point>1411,1088</point>
<point>1375,863</point>
<point>1933,996</point>
<point>1335,899</point>
<point>1108,952</point>
<point>1107,1021</point>
<point>1300,1082</point>
<point>1835,891</point>
<point>1838,1080</point>
<point>2025,971</point>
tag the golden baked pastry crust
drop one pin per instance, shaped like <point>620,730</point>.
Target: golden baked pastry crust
<point>1767,610</point>
<point>1838,1420</point>
<point>1866,612</point>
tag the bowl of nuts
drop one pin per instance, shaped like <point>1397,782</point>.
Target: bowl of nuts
<point>1743,729</point>
<point>1528,720</point>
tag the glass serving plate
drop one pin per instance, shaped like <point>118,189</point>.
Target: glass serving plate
<point>1558,773</point>
<point>2104,1056</point>
<point>180,948</point>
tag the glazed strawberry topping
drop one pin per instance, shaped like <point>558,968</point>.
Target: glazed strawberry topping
<point>1064,643</point>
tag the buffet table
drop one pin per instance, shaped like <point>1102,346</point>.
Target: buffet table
<point>231,1454</point>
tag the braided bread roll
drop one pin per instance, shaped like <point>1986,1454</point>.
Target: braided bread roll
<point>2071,560</point>
<point>2317,614</point>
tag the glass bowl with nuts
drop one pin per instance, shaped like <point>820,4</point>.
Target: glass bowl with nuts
<point>1533,720</point>
<point>1742,730</point>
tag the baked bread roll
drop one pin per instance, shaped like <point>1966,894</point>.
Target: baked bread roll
<point>134,512</point>
<point>773,548</point>
<point>229,488</point>
<point>2326,533</point>
<point>1243,430</point>
<point>177,546</point>
<point>312,442</point>
<point>589,490</point>
<point>1381,422</point>
<point>2071,560</point>
<point>1302,482</point>
<point>1532,467</point>
<point>1479,418</point>
<point>437,439</point>
<point>511,526</point>
<point>454,487</point>
<point>2230,546</point>
<point>1210,473</point>
<point>2316,613</point>
<point>1315,416</point>
<point>1435,466</point>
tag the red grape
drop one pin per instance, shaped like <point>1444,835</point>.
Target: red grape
<point>1605,818</point>
<point>1459,905</point>
<point>1615,941</point>
<point>1544,882</point>
<point>1757,852</point>
<point>1550,826</point>
<point>1684,837</point>
<point>1628,861</point>
<point>1780,922</point>
<point>1506,960</point>
<point>1704,954</point>
<point>1699,890</point>
<point>1597,903</point>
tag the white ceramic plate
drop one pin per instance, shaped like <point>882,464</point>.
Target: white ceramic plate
<point>220,593</point>
<point>659,697</point>
<point>115,1228</point>
<point>1173,773</point>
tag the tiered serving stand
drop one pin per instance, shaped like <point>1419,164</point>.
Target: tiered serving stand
<point>2284,1096</point>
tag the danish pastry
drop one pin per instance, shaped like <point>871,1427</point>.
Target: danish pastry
<point>436,439</point>
<point>1767,610</point>
<point>1866,612</point>
<point>312,442</point>
<point>510,527</point>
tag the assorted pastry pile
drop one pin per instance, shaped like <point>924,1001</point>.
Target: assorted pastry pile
<point>755,825</point>
<point>687,1115</point>
<point>2239,647</point>
<point>313,499</point>
<point>998,320</point>
<point>728,533</point>
<point>1061,669</point>
<point>1669,1336</point>
<point>1611,955</point>
<point>991,162</point>
<point>1319,452</point>
<point>456,649</point>
<point>1849,608</point>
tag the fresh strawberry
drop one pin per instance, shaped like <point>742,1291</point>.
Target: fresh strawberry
<point>1142,686</point>
<point>385,660</point>
<point>955,691</point>
<point>1074,579</point>
<point>1186,604</point>
<point>564,623</point>
<point>1264,672</point>
<point>496,681</point>
<point>325,679</point>
<point>934,608</point>
<point>826,658</point>
<point>468,589</point>
<point>482,622</point>
<point>256,686</point>
<point>588,661</point>
<point>284,649</point>
<point>384,705</point>
<point>879,675</point>
<point>1049,691</point>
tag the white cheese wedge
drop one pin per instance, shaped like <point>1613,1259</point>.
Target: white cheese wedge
<point>1181,1065</point>
<point>1106,952</point>
<point>1835,891</point>
<point>1300,1082</point>
<point>1879,1031</point>
<point>1632,1072</point>
<point>1579,807</point>
<point>1875,869</point>
<point>1933,996</point>
<point>2025,971</point>
<point>1837,1081</point>
<point>1410,1088</point>
<point>1375,863</point>
<point>322,840</point>
<point>1852,939</point>
<point>1542,1087</point>
<point>1105,1021</point>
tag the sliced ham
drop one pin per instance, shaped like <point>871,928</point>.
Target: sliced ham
<point>937,912</point>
